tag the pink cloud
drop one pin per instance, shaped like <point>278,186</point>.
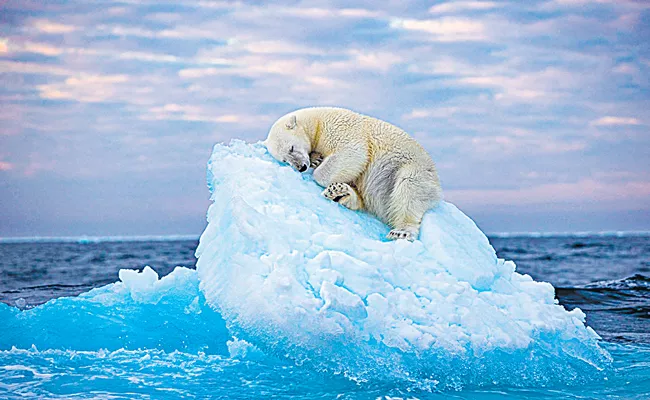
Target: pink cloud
<point>446,29</point>
<point>36,165</point>
<point>462,6</point>
<point>581,192</point>
<point>611,121</point>
<point>46,26</point>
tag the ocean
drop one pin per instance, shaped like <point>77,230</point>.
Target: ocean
<point>67,334</point>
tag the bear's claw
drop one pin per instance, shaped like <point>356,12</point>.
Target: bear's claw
<point>400,234</point>
<point>315,159</point>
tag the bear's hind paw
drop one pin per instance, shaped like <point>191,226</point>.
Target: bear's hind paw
<point>400,234</point>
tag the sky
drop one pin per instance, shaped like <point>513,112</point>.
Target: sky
<point>537,113</point>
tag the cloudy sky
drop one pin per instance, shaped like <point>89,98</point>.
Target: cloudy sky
<point>536,112</point>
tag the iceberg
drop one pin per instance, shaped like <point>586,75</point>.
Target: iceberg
<point>301,277</point>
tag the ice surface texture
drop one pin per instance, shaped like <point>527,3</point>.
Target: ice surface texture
<point>300,276</point>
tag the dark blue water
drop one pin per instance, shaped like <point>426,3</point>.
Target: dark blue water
<point>104,343</point>
<point>607,277</point>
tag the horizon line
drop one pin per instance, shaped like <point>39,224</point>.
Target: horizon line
<point>87,239</point>
<point>83,239</point>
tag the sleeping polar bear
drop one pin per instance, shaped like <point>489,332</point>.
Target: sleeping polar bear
<point>362,162</point>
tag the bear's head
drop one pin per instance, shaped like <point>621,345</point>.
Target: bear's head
<point>288,142</point>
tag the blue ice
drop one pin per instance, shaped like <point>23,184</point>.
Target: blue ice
<point>301,277</point>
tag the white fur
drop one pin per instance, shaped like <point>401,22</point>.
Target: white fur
<point>383,170</point>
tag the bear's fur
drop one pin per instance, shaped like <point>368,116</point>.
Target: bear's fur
<point>362,162</point>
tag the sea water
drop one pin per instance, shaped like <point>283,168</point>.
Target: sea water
<point>278,309</point>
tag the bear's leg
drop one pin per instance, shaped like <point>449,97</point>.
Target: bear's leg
<point>415,191</point>
<point>343,166</point>
<point>344,194</point>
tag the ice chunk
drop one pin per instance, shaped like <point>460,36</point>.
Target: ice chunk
<point>141,311</point>
<point>342,300</point>
<point>296,274</point>
<point>21,303</point>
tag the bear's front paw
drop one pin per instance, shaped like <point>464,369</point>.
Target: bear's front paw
<point>315,159</point>
<point>343,194</point>
<point>337,191</point>
<point>400,234</point>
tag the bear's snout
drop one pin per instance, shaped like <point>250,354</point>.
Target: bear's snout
<point>298,162</point>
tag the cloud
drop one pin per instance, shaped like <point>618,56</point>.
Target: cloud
<point>254,66</point>
<point>299,70</point>
<point>446,29</point>
<point>441,112</point>
<point>634,4</point>
<point>84,88</point>
<point>374,61</point>
<point>36,163</point>
<point>37,48</point>
<point>613,121</point>
<point>512,143</point>
<point>180,32</point>
<point>447,65</point>
<point>587,190</point>
<point>499,86</point>
<point>176,112</point>
<point>329,12</point>
<point>220,5</point>
<point>238,15</point>
<point>242,9</point>
<point>547,84</point>
<point>47,50</point>
<point>537,144</point>
<point>20,67</point>
<point>46,26</point>
<point>625,68</point>
<point>190,73</point>
<point>149,57</point>
<point>6,166</point>
<point>274,47</point>
<point>461,6</point>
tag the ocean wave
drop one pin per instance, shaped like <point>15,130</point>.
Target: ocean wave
<point>619,308</point>
<point>635,282</point>
<point>579,234</point>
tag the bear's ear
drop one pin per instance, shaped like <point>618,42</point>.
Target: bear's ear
<point>292,123</point>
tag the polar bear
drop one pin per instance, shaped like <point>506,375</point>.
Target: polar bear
<point>362,162</point>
